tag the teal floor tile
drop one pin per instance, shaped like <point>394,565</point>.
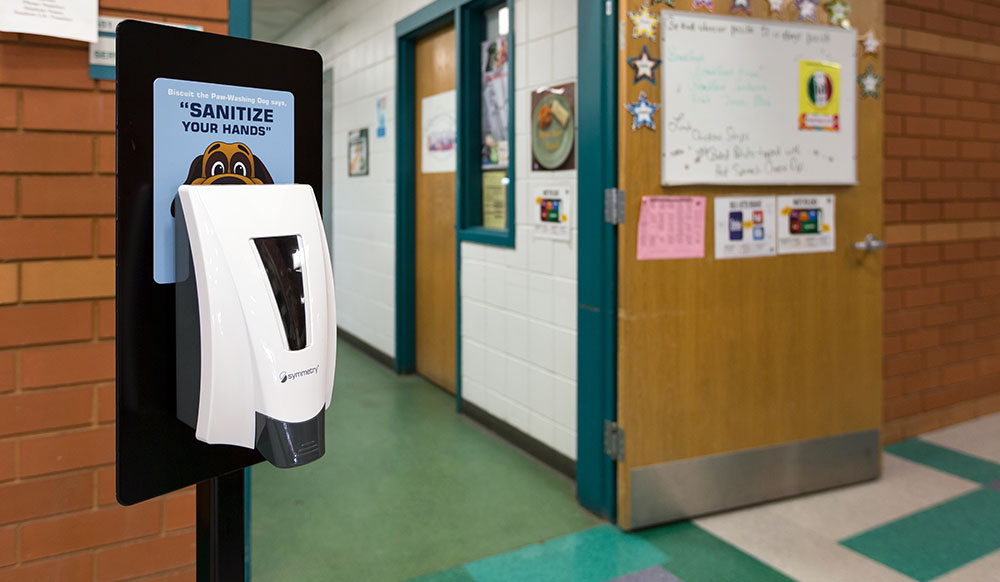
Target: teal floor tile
<point>698,556</point>
<point>929,543</point>
<point>947,460</point>
<point>594,555</point>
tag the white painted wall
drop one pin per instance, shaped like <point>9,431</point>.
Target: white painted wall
<point>518,305</point>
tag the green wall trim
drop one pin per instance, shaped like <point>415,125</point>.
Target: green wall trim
<point>597,336</point>
<point>426,20</point>
<point>240,14</point>
<point>486,236</point>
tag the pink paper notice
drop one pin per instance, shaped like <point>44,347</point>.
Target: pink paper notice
<point>671,227</point>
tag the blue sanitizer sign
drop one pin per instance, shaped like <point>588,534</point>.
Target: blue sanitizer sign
<point>206,133</point>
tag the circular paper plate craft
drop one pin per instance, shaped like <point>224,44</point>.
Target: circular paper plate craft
<point>552,131</point>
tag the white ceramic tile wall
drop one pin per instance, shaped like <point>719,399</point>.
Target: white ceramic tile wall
<point>518,305</point>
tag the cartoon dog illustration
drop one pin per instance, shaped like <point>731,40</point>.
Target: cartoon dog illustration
<point>228,163</point>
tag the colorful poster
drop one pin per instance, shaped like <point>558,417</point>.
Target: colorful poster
<point>357,152</point>
<point>205,133</point>
<point>671,227</point>
<point>745,227</point>
<point>551,212</point>
<point>496,102</point>
<point>806,224</point>
<point>819,96</point>
<point>75,19</point>
<point>437,128</point>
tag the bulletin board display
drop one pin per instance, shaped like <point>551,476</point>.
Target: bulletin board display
<point>744,347</point>
<point>749,101</point>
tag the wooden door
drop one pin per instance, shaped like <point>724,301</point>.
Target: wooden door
<point>746,379</point>
<point>435,225</point>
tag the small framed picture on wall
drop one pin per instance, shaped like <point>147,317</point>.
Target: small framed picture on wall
<point>357,152</point>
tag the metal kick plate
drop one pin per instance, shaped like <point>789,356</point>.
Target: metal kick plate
<point>682,489</point>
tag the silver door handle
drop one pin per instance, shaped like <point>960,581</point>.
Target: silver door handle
<point>870,244</point>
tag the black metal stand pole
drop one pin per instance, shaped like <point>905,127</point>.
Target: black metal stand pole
<point>220,530</point>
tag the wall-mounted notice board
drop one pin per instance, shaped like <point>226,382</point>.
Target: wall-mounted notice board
<point>757,102</point>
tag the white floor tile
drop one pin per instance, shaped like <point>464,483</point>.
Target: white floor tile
<point>796,551</point>
<point>979,437</point>
<point>904,488</point>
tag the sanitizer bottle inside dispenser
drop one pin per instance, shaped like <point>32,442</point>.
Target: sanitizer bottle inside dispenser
<point>256,319</point>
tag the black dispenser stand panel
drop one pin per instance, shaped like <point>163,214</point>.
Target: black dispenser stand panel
<point>156,452</point>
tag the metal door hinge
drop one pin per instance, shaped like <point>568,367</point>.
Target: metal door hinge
<point>614,206</point>
<point>614,441</point>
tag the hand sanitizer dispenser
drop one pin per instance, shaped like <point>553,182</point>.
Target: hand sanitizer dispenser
<point>256,319</point>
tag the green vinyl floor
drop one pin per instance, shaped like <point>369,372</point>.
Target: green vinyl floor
<point>407,487</point>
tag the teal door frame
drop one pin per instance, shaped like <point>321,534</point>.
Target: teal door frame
<point>597,339</point>
<point>408,31</point>
<point>464,15</point>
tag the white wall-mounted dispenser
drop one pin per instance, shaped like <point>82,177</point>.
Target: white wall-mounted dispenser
<point>256,319</point>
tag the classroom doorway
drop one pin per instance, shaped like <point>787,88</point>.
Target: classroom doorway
<point>434,203</point>
<point>743,379</point>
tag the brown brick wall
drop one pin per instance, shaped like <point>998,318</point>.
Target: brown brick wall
<point>59,519</point>
<point>942,213</point>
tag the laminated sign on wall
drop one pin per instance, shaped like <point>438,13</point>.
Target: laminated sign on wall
<point>744,227</point>
<point>806,224</point>
<point>75,19</point>
<point>552,218</point>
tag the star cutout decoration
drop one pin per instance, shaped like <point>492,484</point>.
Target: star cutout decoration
<point>642,112</point>
<point>871,43</point>
<point>807,10</point>
<point>706,4</point>
<point>643,23</point>
<point>869,82</point>
<point>838,10</point>
<point>644,66</point>
<point>776,5</point>
<point>743,5</point>
<point>667,3</point>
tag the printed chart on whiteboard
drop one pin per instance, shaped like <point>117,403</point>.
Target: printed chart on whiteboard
<point>757,102</point>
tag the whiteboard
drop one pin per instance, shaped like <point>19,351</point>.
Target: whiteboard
<point>731,102</point>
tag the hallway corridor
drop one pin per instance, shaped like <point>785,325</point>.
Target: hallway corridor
<point>408,489</point>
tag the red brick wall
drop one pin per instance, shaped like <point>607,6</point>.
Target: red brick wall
<point>942,213</point>
<point>58,516</point>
